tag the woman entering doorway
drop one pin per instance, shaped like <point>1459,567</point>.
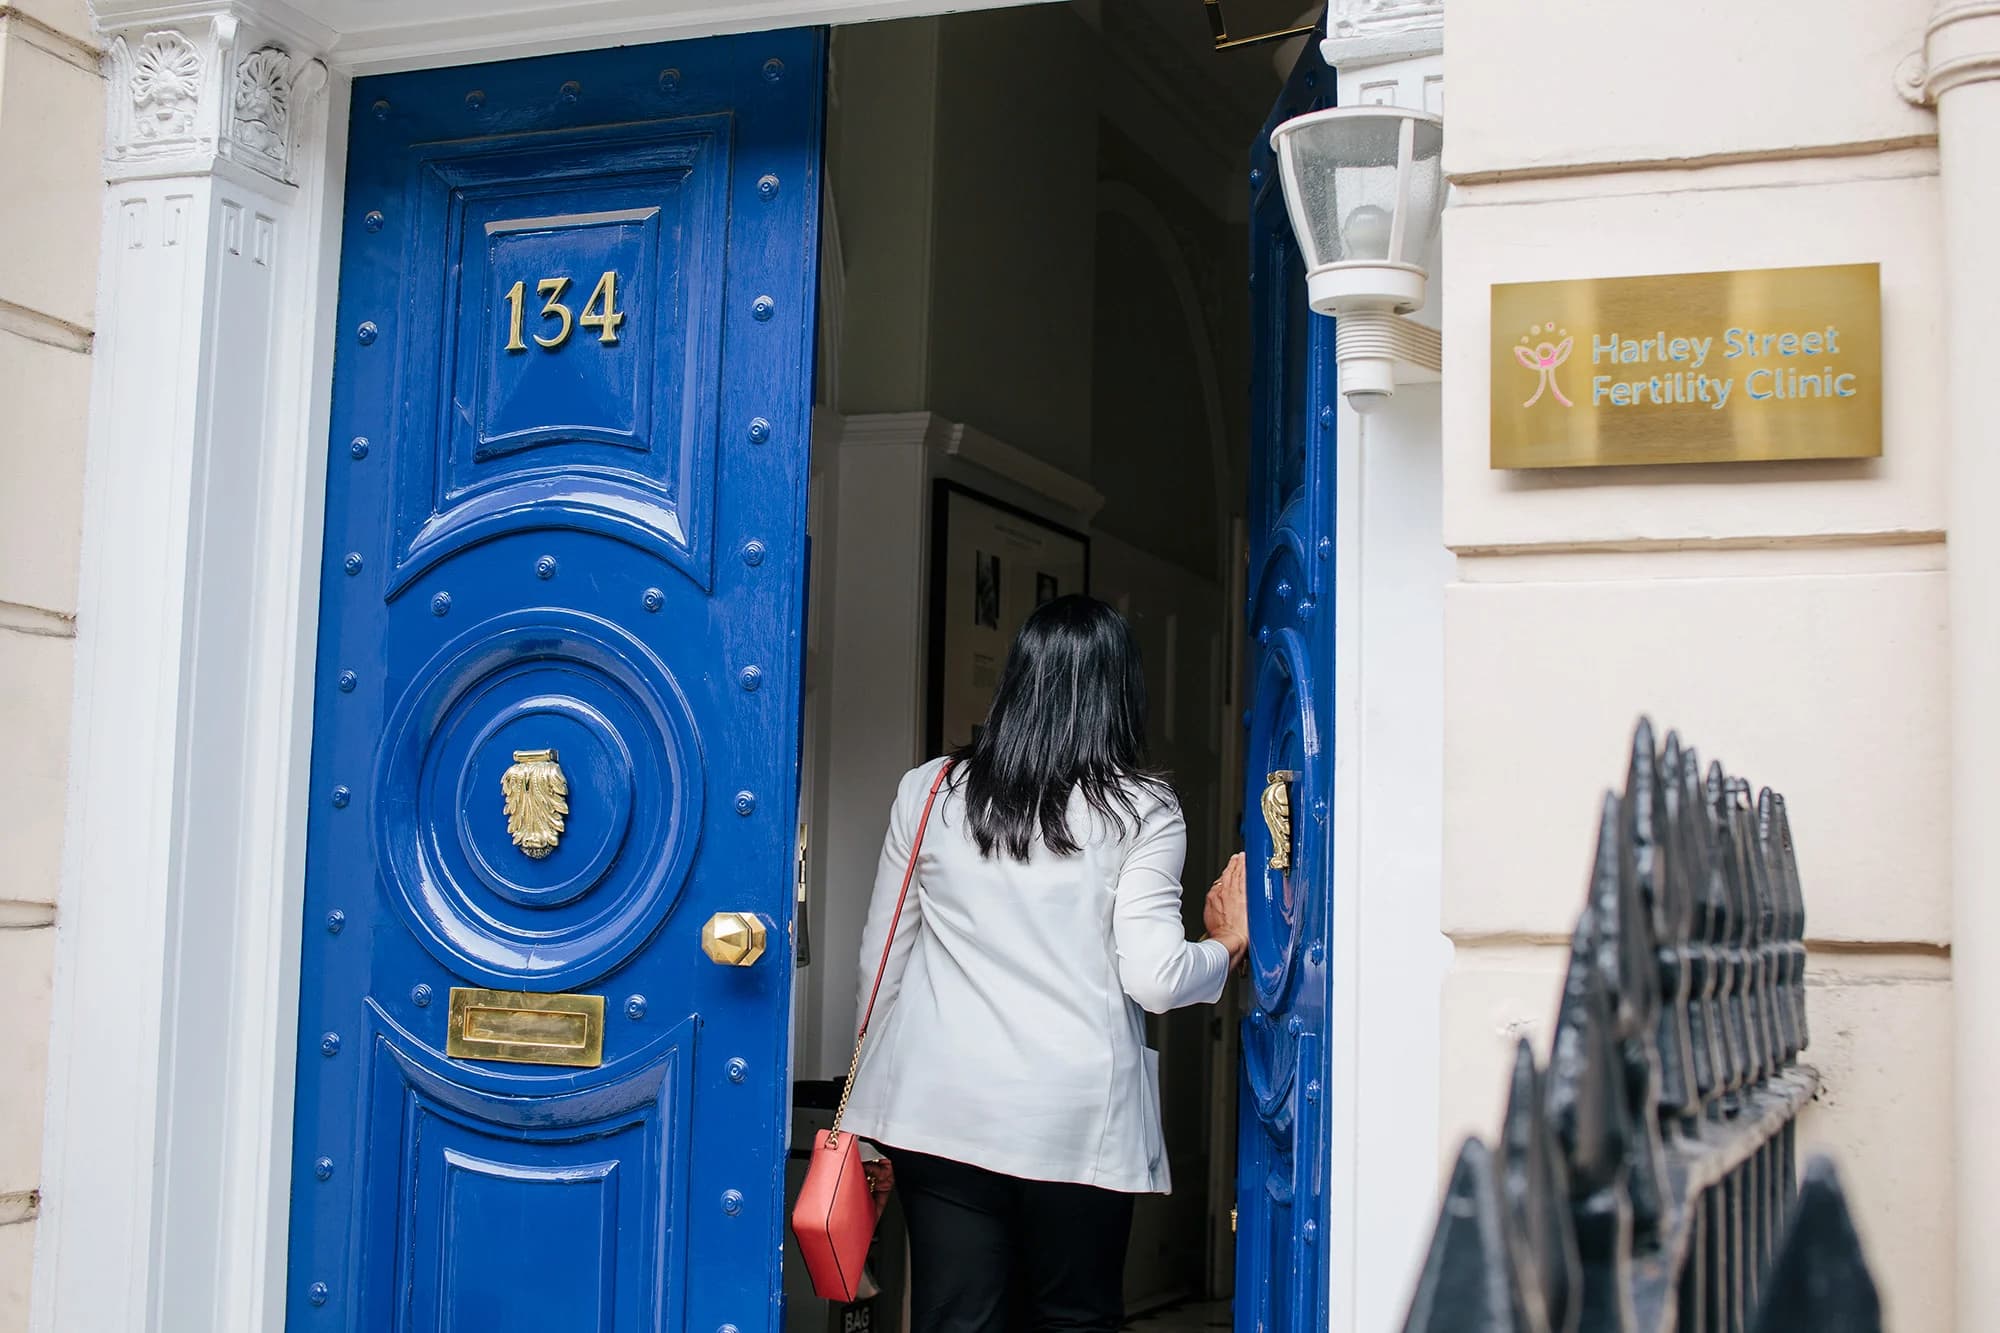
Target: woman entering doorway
<point>1008,1081</point>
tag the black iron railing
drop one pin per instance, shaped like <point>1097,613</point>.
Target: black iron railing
<point>1646,1180</point>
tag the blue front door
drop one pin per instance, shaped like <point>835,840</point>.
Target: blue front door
<point>1282,1153</point>
<point>542,1060</point>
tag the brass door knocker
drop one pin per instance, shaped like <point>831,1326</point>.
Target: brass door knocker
<point>537,796</point>
<point>1277,805</point>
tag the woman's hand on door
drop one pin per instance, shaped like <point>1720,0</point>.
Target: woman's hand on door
<point>1226,913</point>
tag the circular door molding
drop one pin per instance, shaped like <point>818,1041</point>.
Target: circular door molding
<point>631,764</point>
<point>1283,738</point>
<point>591,842</point>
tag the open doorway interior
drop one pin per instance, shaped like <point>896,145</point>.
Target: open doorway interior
<point>1034,358</point>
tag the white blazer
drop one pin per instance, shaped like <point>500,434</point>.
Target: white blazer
<point>1008,1034</point>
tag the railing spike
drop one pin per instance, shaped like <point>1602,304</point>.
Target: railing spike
<point>1592,1120</point>
<point>1537,1194</point>
<point>1644,752</point>
<point>1777,996</point>
<point>1693,838</point>
<point>1467,1283</point>
<point>1666,877</point>
<point>1709,926</point>
<point>1727,889</point>
<point>1820,1282</point>
<point>1743,840</point>
<point>1631,971</point>
<point>1795,918</point>
<point>1760,923</point>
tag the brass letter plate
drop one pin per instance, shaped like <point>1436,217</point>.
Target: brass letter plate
<point>524,1028</point>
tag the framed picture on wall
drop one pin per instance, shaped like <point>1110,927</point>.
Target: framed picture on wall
<point>991,565</point>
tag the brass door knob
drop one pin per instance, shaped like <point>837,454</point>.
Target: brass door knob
<point>733,939</point>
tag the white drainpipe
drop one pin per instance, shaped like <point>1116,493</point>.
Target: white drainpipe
<point>1958,72</point>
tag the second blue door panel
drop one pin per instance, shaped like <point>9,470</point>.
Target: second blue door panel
<point>1282,1266</point>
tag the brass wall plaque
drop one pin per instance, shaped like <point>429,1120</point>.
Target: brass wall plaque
<point>1751,365</point>
<point>524,1028</point>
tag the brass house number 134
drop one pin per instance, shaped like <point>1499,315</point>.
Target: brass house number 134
<point>600,312</point>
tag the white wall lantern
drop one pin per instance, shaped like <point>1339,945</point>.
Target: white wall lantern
<point>1365,188</point>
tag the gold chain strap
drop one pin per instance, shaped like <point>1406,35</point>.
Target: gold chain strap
<point>846,1091</point>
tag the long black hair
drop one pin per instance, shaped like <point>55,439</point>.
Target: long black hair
<point>1069,714</point>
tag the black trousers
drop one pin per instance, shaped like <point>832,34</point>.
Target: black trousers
<point>992,1253</point>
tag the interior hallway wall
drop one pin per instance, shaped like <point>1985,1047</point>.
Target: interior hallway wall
<point>1013,229</point>
<point>881,131</point>
<point>967,212</point>
<point>51,140</point>
<point>1169,415</point>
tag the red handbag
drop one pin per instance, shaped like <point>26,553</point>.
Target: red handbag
<point>836,1214</point>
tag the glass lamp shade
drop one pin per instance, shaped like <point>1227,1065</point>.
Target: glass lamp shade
<point>1365,187</point>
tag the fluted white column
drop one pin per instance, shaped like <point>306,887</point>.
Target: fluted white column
<point>1959,72</point>
<point>165,1163</point>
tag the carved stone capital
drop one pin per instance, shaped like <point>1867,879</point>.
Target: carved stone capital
<point>1961,46</point>
<point>203,91</point>
<point>1374,32</point>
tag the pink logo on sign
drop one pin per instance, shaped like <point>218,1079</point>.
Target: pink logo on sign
<point>1543,359</point>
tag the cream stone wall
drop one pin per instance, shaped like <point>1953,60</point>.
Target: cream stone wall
<point>51,127</point>
<point>1790,619</point>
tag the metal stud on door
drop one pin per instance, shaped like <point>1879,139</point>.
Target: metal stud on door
<point>555,781</point>
<point>1282,1204</point>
